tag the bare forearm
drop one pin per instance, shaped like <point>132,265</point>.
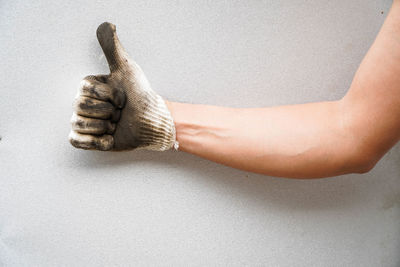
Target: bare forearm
<point>300,141</point>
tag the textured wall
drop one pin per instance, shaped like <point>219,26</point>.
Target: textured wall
<point>65,207</point>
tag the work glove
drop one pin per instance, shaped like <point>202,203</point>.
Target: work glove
<point>120,111</point>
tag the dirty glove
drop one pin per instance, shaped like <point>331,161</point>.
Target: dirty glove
<point>120,111</point>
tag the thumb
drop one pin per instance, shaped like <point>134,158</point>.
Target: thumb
<point>117,57</point>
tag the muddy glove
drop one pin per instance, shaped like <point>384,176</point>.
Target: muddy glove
<point>120,111</point>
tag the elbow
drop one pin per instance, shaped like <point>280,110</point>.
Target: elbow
<point>364,166</point>
<point>362,161</point>
<point>361,147</point>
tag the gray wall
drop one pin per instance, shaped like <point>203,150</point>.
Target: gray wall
<point>65,207</point>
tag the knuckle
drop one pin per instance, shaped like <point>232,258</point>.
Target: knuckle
<point>89,126</point>
<point>90,87</point>
<point>74,118</point>
<point>87,89</point>
<point>75,140</point>
<point>79,125</point>
<point>91,104</point>
<point>83,141</point>
<point>71,136</point>
<point>96,90</point>
<point>79,103</point>
<point>84,103</point>
<point>77,144</point>
<point>85,83</point>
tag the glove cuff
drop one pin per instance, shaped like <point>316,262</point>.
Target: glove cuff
<point>157,129</point>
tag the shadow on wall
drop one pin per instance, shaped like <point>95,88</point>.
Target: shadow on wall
<point>284,194</point>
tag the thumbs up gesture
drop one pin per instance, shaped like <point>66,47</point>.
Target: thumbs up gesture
<point>120,111</point>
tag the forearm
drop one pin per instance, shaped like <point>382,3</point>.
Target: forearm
<point>300,141</point>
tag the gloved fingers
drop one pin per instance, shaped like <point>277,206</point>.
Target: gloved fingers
<point>94,108</point>
<point>91,86</point>
<point>85,125</point>
<point>86,141</point>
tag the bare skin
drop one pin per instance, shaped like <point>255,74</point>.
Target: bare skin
<point>312,140</point>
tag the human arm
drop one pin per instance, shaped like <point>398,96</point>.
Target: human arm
<point>310,140</point>
<point>300,141</point>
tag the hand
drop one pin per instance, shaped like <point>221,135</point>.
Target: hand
<point>120,111</point>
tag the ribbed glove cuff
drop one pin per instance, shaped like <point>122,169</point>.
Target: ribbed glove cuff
<point>157,129</point>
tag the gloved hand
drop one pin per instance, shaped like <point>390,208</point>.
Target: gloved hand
<point>120,111</point>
